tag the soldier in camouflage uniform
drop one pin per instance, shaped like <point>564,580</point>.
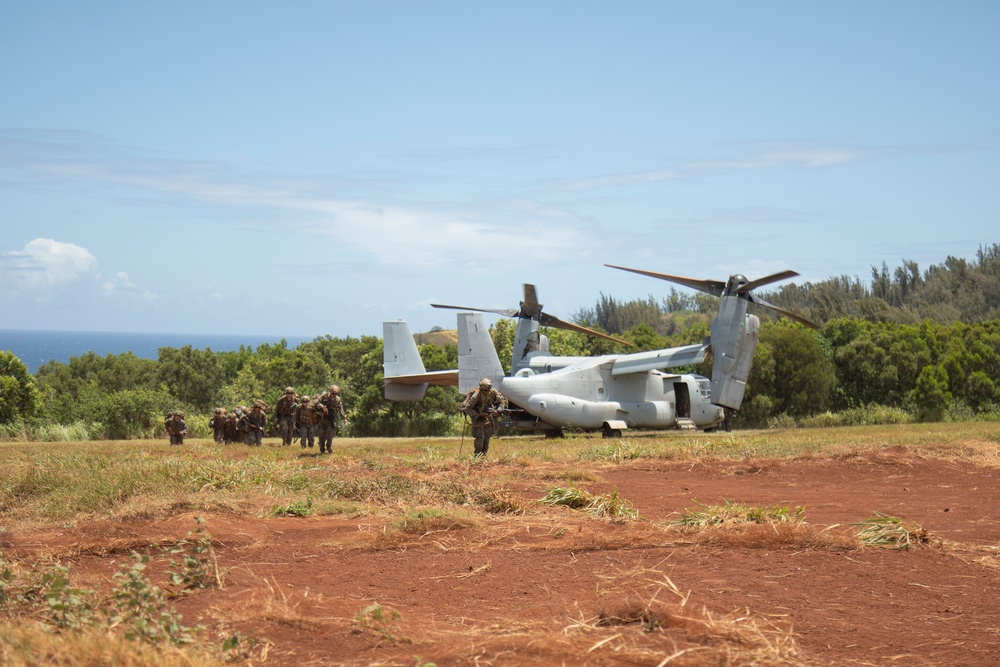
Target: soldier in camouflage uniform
<point>241,423</point>
<point>231,431</point>
<point>176,427</point>
<point>482,405</point>
<point>256,423</point>
<point>218,424</point>
<point>307,418</point>
<point>334,418</point>
<point>284,415</point>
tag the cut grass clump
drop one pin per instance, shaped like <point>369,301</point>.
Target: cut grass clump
<point>732,513</point>
<point>433,520</point>
<point>298,508</point>
<point>608,505</point>
<point>882,530</point>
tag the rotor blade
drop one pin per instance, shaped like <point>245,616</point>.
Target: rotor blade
<point>506,313</point>
<point>530,305</point>
<point>713,287</point>
<point>781,311</point>
<point>547,320</point>
<point>767,280</point>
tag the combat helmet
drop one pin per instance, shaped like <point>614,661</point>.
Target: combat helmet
<point>485,383</point>
<point>334,389</point>
<point>289,390</point>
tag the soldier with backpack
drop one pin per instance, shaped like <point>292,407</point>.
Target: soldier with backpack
<point>333,419</point>
<point>256,423</point>
<point>284,416</point>
<point>218,425</point>
<point>176,427</point>
<point>307,418</point>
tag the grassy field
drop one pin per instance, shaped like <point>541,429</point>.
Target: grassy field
<point>53,483</point>
<point>416,486</point>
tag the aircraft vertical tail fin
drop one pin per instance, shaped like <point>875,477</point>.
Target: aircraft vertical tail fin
<point>406,379</point>
<point>477,356</point>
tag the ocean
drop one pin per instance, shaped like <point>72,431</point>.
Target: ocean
<point>35,348</point>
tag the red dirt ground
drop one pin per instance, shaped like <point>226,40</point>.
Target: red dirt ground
<point>529,590</point>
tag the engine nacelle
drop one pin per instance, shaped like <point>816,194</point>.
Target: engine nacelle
<point>734,340</point>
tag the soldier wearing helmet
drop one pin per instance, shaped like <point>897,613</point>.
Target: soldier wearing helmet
<point>308,415</point>
<point>483,405</point>
<point>176,427</point>
<point>284,416</point>
<point>218,425</point>
<point>334,418</point>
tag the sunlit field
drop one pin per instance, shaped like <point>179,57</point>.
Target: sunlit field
<point>412,499</point>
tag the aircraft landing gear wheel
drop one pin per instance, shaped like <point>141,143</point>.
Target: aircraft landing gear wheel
<point>554,433</point>
<point>609,432</point>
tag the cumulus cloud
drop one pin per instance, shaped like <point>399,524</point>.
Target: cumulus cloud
<point>46,269</point>
<point>45,266</point>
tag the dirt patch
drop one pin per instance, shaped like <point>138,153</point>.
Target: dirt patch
<point>557,587</point>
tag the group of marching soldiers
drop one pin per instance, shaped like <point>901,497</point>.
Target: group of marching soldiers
<point>319,418</point>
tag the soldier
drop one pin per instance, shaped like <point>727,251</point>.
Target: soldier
<point>256,422</point>
<point>176,427</point>
<point>334,418</point>
<point>307,417</point>
<point>482,405</point>
<point>218,424</point>
<point>284,415</point>
<point>241,423</point>
<point>231,429</point>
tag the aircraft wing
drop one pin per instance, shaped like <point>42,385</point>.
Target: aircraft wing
<point>671,357</point>
<point>443,378</point>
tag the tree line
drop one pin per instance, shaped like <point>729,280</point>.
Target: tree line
<point>878,356</point>
<point>957,290</point>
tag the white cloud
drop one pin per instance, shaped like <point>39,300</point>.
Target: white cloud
<point>46,269</point>
<point>46,266</point>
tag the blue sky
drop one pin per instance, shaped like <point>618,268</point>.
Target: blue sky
<point>310,168</point>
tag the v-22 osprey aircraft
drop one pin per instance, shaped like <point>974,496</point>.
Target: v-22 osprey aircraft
<point>611,392</point>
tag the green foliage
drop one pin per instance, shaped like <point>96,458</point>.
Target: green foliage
<point>298,508</point>
<point>141,608</point>
<point>956,290</point>
<point>192,375</point>
<point>68,388</point>
<point>18,394</point>
<point>137,608</point>
<point>804,379</point>
<point>383,622</point>
<point>128,414</point>
<point>866,415</point>
<point>68,608</point>
<point>931,396</point>
<point>198,567</point>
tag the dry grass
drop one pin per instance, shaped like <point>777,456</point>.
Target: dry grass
<point>644,616</point>
<point>882,530</point>
<point>776,536</point>
<point>29,645</point>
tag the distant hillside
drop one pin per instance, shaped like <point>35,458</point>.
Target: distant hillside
<point>958,290</point>
<point>441,337</point>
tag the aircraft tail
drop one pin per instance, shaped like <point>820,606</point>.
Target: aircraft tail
<point>477,356</point>
<point>406,379</point>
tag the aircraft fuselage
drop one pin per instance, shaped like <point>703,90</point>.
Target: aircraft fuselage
<point>586,395</point>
